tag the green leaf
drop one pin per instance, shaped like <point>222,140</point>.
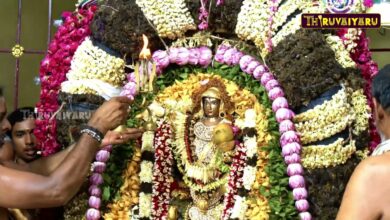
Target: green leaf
<point>106,193</point>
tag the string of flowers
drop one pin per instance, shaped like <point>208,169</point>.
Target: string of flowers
<point>322,156</point>
<point>146,175</point>
<point>162,172</point>
<point>52,72</point>
<point>249,173</point>
<point>171,18</point>
<point>273,7</point>
<point>289,140</point>
<point>235,181</point>
<point>96,179</point>
<point>203,16</point>
<point>362,57</point>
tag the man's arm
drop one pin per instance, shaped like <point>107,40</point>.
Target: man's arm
<point>47,165</point>
<point>27,190</point>
<point>20,189</point>
<point>361,194</point>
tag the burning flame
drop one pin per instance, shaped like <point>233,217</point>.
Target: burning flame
<point>145,52</point>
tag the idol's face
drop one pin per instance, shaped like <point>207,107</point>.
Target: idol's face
<point>211,107</point>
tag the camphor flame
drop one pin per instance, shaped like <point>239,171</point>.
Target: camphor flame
<point>145,52</point>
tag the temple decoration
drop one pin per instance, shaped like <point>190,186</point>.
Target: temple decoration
<point>254,119</point>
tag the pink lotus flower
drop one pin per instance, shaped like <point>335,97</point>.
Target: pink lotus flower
<point>94,202</point>
<point>299,193</point>
<point>194,56</point>
<point>228,56</point>
<point>96,179</point>
<point>266,77</point>
<point>220,53</point>
<point>291,148</point>
<point>286,125</point>
<point>183,56</point>
<point>173,54</point>
<point>296,181</point>
<point>294,169</point>
<point>271,84</point>
<point>259,71</point>
<point>244,62</point>
<point>99,167</point>
<point>237,57</point>
<point>252,66</point>
<point>278,103</point>
<point>289,137</point>
<point>302,205</point>
<point>275,93</point>
<point>283,113</point>
<point>305,216</point>
<point>95,191</point>
<point>93,214</point>
<point>161,58</point>
<point>206,56</point>
<point>102,156</point>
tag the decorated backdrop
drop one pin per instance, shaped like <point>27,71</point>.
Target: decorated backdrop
<point>292,116</point>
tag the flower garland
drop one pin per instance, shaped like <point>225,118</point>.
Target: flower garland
<point>162,172</point>
<point>252,21</point>
<point>289,139</point>
<point>146,175</point>
<point>362,111</point>
<point>249,173</point>
<point>341,53</point>
<point>243,103</point>
<point>249,65</point>
<point>323,156</point>
<point>96,179</point>
<point>171,18</point>
<point>362,56</point>
<point>325,120</point>
<point>295,24</point>
<point>235,180</point>
<point>349,37</point>
<point>92,62</point>
<point>273,7</point>
<point>52,72</point>
<point>129,191</point>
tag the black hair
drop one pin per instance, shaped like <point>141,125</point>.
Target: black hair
<point>381,87</point>
<point>1,92</point>
<point>20,115</point>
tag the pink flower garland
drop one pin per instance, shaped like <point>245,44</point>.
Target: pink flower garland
<point>290,142</point>
<point>96,179</point>
<point>273,9</point>
<point>53,72</point>
<point>203,16</point>
<point>162,172</point>
<point>368,68</point>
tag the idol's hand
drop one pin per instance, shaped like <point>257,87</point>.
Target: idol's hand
<point>115,137</point>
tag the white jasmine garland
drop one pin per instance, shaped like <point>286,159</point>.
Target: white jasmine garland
<point>83,86</point>
<point>252,21</point>
<point>147,141</point>
<point>251,146</point>
<point>341,53</point>
<point>170,17</point>
<point>249,177</point>
<point>145,205</point>
<point>91,62</point>
<point>239,208</point>
<point>145,174</point>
